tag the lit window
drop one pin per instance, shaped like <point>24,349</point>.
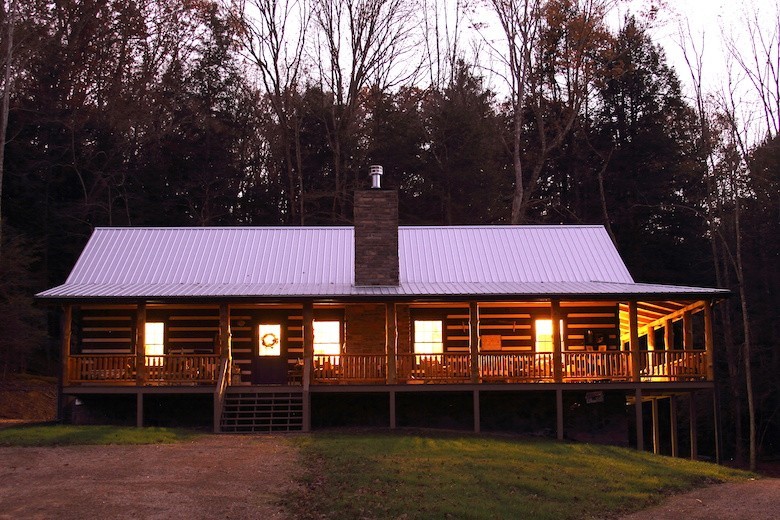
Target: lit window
<point>270,339</point>
<point>327,338</point>
<point>544,333</point>
<point>428,337</point>
<point>154,342</point>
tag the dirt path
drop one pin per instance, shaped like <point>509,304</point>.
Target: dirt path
<point>216,476</point>
<point>755,499</point>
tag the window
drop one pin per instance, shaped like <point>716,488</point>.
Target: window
<point>544,335</point>
<point>327,338</point>
<point>154,342</point>
<point>428,337</point>
<point>270,339</point>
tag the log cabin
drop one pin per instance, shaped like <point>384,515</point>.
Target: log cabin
<point>270,326</point>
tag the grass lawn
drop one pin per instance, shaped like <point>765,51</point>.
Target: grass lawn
<point>58,435</point>
<point>446,476</point>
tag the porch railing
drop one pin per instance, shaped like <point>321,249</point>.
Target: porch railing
<point>349,368</point>
<point>589,366</point>
<point>654,365</point>
<point>673,365</point>
<point>109,368</point>
<point>442,368</point>
<point>178,368</point>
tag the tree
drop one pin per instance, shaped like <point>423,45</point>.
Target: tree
<point>358,44</point>
<point>550,61</point>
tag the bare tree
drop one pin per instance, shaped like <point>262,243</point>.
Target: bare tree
<point>359,44</point>
<point>272,34</point>
<point>549,60</point>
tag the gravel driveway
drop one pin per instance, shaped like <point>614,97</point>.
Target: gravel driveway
<point>754,500</point>
<point>215,476</point>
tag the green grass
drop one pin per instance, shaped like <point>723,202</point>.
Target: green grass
<point>440,476</point>
<point>59,435</point>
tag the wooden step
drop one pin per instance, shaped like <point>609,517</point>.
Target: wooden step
<point>262,412</point>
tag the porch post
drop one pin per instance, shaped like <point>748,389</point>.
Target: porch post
<point>709,340</point>
<point>634,340</point>
<point>140,342</point>
<point>391,343</point>
<point>640,431</point>
<point>668,335</point>
<point>67,323</point>
<point>477,420</point>
<point>559,414</point>
<point>650,337</point>
<point>139,409</point>
<point>687,330</point>
<point>656,428</point>
<point>308,358</point>
<point>555,317</point>
<point>694,426</point>
<point>673,425</point>
<point>716,424</point>
<point>392,410</point>
<point>224,347</point>
<point>474,341</point>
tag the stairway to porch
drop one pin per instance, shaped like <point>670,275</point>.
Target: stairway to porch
<point>253,411</point>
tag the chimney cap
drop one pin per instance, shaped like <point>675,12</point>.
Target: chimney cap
<point>376,171</point>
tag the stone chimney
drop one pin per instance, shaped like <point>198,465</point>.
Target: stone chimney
<point>376,234</point>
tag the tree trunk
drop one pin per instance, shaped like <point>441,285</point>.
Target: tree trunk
<point>10,21</point>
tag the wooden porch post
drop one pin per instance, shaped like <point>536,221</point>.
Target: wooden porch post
<point>687,331</point>
<point>650,337</point>
<point>640,430</point>
<point>555,317</point>
<point>694,426</point>
<point>709,340</point>
<point>559,414</point>
<point>139,409</point>
<point>224,346</point>
<point>656,428</point>
<point>474,341</point>
<point>66,325</point>
<point>140,344</point>
<point>391,343</point>
<point>716,424</point>
<point>633,327</point>
<point>668,335</point>
<point>392,410</point>
<point>308,359</point>
<point>673,425</point>
<point>477,419</point>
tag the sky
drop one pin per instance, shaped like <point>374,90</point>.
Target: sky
<point>710,21</point>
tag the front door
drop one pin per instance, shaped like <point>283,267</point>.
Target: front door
<point>269,366</point>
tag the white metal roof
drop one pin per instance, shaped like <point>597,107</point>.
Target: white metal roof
<point>318,261</point>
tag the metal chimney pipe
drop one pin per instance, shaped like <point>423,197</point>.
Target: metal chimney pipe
<point>376,172</point>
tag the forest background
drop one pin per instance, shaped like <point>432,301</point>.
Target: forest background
<point>268,112</point>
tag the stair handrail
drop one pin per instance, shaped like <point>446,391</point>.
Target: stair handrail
<point>219,391</point>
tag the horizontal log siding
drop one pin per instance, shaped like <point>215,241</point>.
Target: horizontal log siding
<point>104,330</point>
<point>244,324</point>
<point>602,321</point>
<point>513,324</point>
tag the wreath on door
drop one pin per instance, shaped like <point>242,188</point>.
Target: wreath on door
<point>269,340</point>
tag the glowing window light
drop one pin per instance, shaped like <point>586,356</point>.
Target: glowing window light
<point>269,339</point>
<point>327,338</point>
<point>428,337</point>
<point>154,342</point>
<point>544,335</point>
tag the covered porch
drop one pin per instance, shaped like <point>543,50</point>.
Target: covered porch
<point>388,343</point>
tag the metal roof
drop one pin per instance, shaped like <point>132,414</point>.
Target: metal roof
<point>318,262</point>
